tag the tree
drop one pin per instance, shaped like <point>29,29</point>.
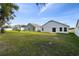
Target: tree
<point>43,4</point>
<point>7,12</point>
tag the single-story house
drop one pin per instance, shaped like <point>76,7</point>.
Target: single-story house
<point>23,27</point>
<point>77,29</point>
<point>17,27</point>
<point>72,30</point>
<point>32,27</point>
<point>7,28</point>
<point>54,26</point>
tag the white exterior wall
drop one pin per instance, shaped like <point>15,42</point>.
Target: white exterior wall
<point>48,27</point>
<point>25,28</point>
<point>22,28</point>
<point>30,27</point>
<point>8,28</point>
<point>38,29</point>
<point>77,30</point>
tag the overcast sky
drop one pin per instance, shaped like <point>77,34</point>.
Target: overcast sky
<point>30,13</point>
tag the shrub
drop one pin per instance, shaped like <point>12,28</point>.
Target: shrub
<point>18,30</point>
<point>38,31</point>
<point>2,30</point>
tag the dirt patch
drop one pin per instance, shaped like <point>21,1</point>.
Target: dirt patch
<point>5,46</point>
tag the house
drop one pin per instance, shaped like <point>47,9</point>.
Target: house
<point>77,29</point>
<point>54,26</point>
<point>23,27</point>
<point>72,29</point>
<point>33,27</point>
<point>7,27</point>
<point>17,27</point>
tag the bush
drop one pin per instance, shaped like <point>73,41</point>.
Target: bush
<point>18,30</point>
<point>2,30</point>
<point>38,31</point>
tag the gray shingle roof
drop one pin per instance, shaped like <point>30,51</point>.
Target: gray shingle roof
<point>56,22</point>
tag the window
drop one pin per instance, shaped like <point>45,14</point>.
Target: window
<point>60,28</point>
<point>53,29</point>
<point>65,29</point>
<point>42,29</point>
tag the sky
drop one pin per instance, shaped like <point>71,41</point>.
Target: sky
<point>67,13</point>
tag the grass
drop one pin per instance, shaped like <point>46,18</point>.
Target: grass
<point>25,43</point>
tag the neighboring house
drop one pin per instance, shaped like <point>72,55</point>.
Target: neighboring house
<point>77,29</point>
<point>54,26</point>
<point>33,27</point>
<point>17,27</point>
<point>8,28</point>
<point>72,30</point>
<point>23,27</point>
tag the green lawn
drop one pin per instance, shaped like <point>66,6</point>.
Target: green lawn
<point>38,44</point>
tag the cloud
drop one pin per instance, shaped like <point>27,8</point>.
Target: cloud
<point>45,7</point>
<point>53,6</point>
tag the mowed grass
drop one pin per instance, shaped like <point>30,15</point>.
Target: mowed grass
<point>25,43</point>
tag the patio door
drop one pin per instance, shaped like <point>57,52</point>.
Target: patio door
<point>54,29</point>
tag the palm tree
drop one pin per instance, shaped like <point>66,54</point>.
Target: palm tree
<point>7,12</point>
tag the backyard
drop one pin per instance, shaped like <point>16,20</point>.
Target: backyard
<point>25,43</point>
